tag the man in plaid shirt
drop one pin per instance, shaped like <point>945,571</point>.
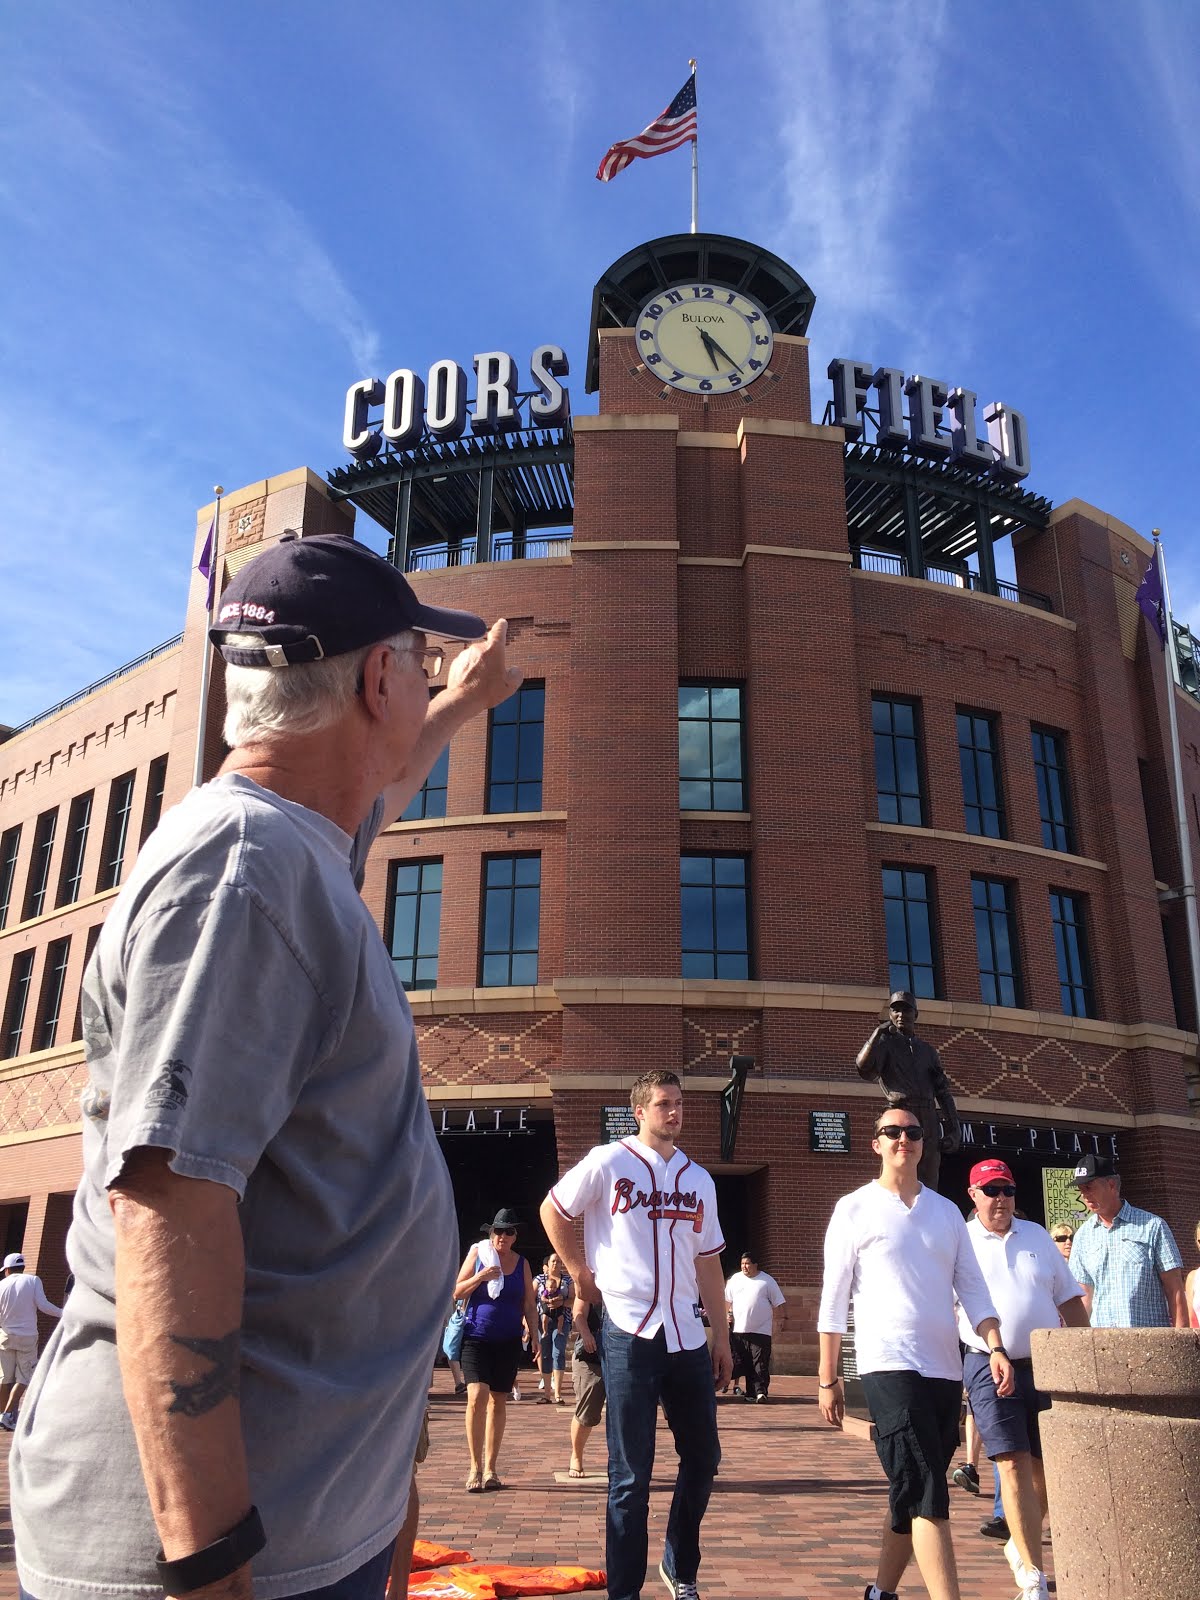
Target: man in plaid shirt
<point>1126,1259</point>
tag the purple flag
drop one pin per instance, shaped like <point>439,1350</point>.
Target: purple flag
<point>1151,599</point>
<point>206,566</point>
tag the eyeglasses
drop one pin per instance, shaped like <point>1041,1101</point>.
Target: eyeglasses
<point>992,1190</point>
<point>431,659</point>
<point>509,1232</point>
<point>901,1130</point>
<point>1062,1238</point>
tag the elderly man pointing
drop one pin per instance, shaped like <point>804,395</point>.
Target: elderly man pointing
<point>239,1377</point>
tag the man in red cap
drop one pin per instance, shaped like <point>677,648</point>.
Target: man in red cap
<point>1031,1287</point>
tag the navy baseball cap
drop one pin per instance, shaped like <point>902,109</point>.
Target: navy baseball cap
<point>1092,1167</point>
<point>324,596</point>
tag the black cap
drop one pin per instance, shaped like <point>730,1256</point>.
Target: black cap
<point>324,596</point>
<point>1089,1167</point>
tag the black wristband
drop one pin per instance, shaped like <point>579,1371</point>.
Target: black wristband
<point>997,1350</point>
<point>832,1385</point>
<point>216,1560</point>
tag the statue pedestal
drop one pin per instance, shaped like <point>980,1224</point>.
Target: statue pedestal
<point>1121,1448</point>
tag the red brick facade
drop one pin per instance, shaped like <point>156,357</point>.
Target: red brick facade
<point>710,542</point>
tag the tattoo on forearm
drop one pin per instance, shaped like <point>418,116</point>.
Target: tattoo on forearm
<point>194,1399</point>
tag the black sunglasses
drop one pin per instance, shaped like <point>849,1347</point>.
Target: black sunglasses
<point>896,1130</point>
<point>994,1189</point>
<point>511,1231</point>
<point>1062,1238</point>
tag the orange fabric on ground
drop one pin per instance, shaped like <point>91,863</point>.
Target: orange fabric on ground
<point>491,1580</point>
<point>436,1555</point>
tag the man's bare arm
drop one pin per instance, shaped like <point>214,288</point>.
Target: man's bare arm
<point>180,1274</point>
<point>711,1283</point>
<point>1074,1312</point>
<point>479,678</point>
<point>1172,1282</point>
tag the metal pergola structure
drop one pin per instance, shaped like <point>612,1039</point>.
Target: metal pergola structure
<point>466,489</point>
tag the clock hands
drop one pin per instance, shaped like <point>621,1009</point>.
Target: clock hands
<point>715,350</point>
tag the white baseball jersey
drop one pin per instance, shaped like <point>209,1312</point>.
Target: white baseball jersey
<point>646,1219</point>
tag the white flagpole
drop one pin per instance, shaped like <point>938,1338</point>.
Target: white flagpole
<point>695,160</point>
<point>206,665</point>
<point>1187,884</point>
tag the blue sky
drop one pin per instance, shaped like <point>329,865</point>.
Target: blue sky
<point>214,217</point>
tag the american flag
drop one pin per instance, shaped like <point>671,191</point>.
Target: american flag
<point>675,126</point>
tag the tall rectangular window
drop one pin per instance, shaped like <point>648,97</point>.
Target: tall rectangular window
<point>714,916</point>
<point>156,787</point>
<point>996,942</point>
<point>116,831</point>
<point>430,798</point>
<point>93,934</point>
<point>1071,948</point>
<point>15,1003</point>
<point>908,918</point>
<point>979,759</point>
<point>712,747</point>
<point>897,761</point>
<point>416,922</point>
<point>71,878</point>
<point>512,896</point>
<point>54,978</point>
<point>515,751</point>
<point>39,866</point>
<point>1054,803</point>
<point>10,844</point>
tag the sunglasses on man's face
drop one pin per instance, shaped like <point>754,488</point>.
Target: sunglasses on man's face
<point>901,1130</point>
<point>992,1190</point>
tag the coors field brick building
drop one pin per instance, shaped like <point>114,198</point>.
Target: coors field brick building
<point>786,741</point>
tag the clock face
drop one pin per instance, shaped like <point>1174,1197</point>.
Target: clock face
<point>704,338</point>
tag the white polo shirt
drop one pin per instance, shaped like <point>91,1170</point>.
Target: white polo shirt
<point>646,1219</point>
<point>1027,1278</point>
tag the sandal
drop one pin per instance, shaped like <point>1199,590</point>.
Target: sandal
<point>576,1472</point>
<point>492,1482</point>
<point>475,1483</point>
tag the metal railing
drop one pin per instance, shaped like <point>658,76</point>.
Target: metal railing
<point>100,683</point>
<point>951,577</point>
<point>505,547</point>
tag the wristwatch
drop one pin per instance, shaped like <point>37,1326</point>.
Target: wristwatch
<point>997,1350</point>
<point>216,1560</point>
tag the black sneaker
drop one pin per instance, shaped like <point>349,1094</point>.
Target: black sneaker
<point>996,1528</point>
<point>966,1478</point>
<point>677,1589</point>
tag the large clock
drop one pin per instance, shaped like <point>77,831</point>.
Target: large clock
<point>704,338</point>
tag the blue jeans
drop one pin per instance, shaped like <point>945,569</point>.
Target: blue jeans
<point>365,1583</point>
<point>638,1373</point>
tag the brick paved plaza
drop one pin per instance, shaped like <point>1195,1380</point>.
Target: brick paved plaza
<point>795,1514</point>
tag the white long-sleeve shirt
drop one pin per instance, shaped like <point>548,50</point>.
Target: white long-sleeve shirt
<point>903,1268</point>
<point>21,1298</point>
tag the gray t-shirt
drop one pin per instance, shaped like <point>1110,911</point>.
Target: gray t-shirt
<point>241,1011</point>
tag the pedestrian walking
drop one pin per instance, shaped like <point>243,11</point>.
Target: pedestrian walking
<point>901,1253</point>
<point>1191,1282</point>
<point>587,1375</point>
<point>1031,1287</point>
<point>497,1285</point>
<point>1125,1258</point>
<point>754,1300</point>
<point>555,1295</point>
<point>260,1237</point>
<point>21,1298</point>
<point>652,1247</point>
<point>1063,1235</point>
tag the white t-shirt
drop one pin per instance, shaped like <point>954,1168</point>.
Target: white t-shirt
<point>903,1267</point>
<point>646,1218</point>
<point>21,1298</point>
<point>1027,1278</point>
<point>752,1300</point>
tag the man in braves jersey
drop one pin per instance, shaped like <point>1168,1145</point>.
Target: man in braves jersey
<point>652,1247</point>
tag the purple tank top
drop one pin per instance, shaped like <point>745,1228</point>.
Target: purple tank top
<point>499,1318</point>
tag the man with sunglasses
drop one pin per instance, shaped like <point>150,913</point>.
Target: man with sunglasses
<point>901,1252</point>
<point>247,1333</point>
<point>1031,1287</point>
<point>909,1070</point>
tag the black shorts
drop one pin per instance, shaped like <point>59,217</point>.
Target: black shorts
<point>916,1435</point>
<point>491,1361</point>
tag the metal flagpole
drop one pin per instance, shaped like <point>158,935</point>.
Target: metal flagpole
<point>1187,886</point>
<point>695,160</point>
<point>206,667</point>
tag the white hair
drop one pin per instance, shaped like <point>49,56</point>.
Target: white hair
<point>261,701</point>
